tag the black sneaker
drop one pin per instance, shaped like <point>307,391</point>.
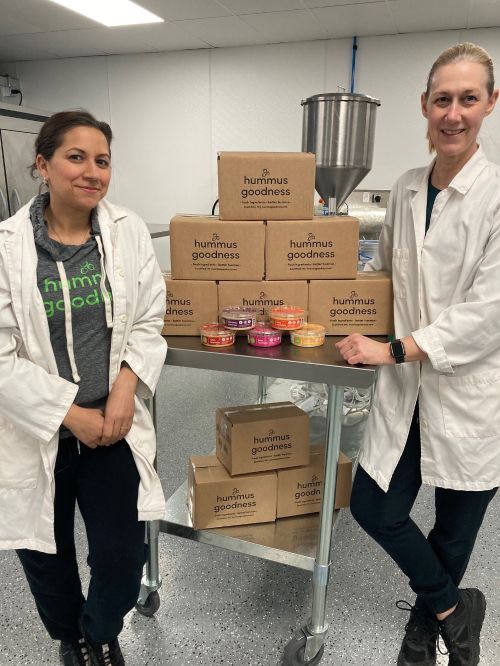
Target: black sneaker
<point>74,654</point>
<point>107,654</point>
<point>461,630</point>
<point>419,644</point>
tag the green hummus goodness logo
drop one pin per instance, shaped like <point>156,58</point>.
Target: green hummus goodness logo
<point>84,291</point>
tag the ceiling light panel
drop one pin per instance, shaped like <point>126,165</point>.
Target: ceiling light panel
<point>111,12</point>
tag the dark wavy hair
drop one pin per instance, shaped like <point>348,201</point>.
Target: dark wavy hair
<point>52,132</point>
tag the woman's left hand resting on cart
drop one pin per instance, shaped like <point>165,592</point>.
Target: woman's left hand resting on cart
<point>120,407</point>
<point>357,348</point>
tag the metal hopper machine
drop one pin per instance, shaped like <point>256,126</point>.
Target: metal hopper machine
<point>340,129</point>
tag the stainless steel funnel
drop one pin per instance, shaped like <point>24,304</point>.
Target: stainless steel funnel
<point>339,128</point>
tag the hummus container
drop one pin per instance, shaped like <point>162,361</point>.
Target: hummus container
<point>310,335</point>
<point>239,318</point>
<point>287,317</point>
<point>264,336</point>
<point>215,335</point>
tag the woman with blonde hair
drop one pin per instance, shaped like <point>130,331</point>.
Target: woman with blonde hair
<point>436,411</point>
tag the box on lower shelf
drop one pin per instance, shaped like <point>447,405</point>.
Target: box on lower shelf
<point>300,489</point>
<point>216,499</point>
<point>255,438</point>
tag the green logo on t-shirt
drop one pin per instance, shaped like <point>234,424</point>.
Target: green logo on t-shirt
<point>86,267</point>
<point>87,286</point>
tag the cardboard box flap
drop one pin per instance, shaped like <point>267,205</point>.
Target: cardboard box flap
<point>250,413</point>
<point>209,219</point>
<point>206,470</point>
<point>244,155</point>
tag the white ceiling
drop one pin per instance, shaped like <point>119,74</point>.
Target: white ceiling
<point>40,29</point>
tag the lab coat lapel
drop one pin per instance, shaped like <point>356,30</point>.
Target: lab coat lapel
<point>418,210</point>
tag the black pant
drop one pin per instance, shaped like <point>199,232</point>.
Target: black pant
<point>104,482</point>
<point>436,565</point>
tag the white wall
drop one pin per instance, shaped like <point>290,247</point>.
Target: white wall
<point>172,112</point>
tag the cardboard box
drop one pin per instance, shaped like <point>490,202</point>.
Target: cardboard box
<point>325,248</point>
<point>266,186</point>
<point>363,305</point>
<point>204,248</point>
<point>254,438</point>
<point>300,489</point>
<point>264,294</point>
<point>216,499</point>
<point>190,303</point>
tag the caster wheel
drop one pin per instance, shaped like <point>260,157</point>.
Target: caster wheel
<point>294,653</point>
<point>151,605</point>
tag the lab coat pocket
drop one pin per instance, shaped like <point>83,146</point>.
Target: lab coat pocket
<point>388,389</point>
<point>400,259</point>
<point>19,458</point>
<point>471,404</point>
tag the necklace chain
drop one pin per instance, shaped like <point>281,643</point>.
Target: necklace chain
<point>84,238</point>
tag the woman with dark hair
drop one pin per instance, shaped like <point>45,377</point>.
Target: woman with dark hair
<point>82,302</point>
<point>436,412</point>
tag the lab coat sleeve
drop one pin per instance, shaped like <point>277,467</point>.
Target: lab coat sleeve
<point>383,259</point>
<point>146,349</point>
<point>469,331</point>
<point>31,399</point>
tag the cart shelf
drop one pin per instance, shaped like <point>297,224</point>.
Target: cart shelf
<point>301,541</point>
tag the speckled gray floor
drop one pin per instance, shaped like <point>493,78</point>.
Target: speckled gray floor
<point>221,608</point>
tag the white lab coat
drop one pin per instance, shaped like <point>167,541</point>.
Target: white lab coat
<point>447,295</point>
<point>34,399</point>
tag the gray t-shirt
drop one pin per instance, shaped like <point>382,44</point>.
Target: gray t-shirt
<point>91,336</point>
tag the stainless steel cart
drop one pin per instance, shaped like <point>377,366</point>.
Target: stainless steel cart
<point>319,364</point>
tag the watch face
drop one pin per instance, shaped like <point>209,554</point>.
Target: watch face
<point>397,351</point>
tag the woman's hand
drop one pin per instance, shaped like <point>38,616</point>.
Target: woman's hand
<point>120,407</point>
<point>85,424</point>
<point>357,348</point>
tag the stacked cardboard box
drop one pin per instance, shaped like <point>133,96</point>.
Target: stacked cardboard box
<point>266,249</point>
<point>264,468</point>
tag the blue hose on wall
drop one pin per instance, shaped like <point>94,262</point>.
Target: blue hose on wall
<point>353,68</point>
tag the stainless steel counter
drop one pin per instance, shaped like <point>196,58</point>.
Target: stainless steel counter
<point>158,230</point>
<point>317,364</point>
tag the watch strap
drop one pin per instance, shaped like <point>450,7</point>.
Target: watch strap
<point>398,351</point>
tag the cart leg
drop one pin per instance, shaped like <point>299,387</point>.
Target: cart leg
<point>149,599</point>
<point>307,645</point>
<point>262,390</point>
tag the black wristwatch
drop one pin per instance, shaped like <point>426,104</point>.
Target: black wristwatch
<point>398,351</point>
